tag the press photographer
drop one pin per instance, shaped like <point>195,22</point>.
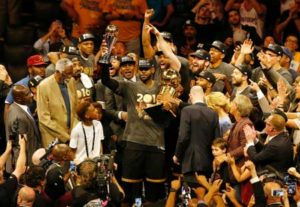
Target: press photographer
<point>97,185</point>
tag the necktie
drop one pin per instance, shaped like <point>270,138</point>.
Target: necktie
<point>29,112</point>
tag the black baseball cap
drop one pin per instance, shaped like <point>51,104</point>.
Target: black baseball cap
<point>126,59</point>
<point>34,81</point>
<point>85,37</point>
<point>208,76</point>
<point>70,50</point>
<point>219,46</point>
<point>202,54</point>
<point>145,63</point>
<point>55,186</point>
<point>189,23</point>
<point>167,36</point>
<point>244,69</point>
<point>275,49</point>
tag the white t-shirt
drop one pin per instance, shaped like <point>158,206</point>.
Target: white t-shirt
<point>251,18</point>
<point>78,141</point>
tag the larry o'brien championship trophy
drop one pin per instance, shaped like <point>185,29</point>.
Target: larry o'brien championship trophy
<point>163,111</point>
<point>110,38</point>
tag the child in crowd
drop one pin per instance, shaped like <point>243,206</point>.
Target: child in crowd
<point>87,135</point>
<point>220,167</point>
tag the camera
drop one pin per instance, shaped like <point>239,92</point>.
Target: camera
<point>277,192</point>
<point>291,184</point>
<point>185,195</point>
<point>104,174</point>
<point>45,162</point>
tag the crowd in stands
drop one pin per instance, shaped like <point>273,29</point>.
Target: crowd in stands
<point>156,103</point>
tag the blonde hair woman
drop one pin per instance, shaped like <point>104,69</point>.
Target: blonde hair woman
<point>220,104</point>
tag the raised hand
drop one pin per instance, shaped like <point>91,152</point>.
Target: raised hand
<point>247,47</point>
<point>149,13</point>
<point>254,86</point>
<point>176,184</point>
<point>282,90</point>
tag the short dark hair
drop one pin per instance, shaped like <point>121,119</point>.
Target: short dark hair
<point>220,142</point>
<point>34,176</point>
<point>98,106</point>
<point>82,109</point>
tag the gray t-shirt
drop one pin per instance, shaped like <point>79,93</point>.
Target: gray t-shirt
<point>87,64</point>
<point>140,128</point>
<point>225,69</point>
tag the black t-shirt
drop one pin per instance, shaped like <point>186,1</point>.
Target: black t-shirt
<point>7,190</point>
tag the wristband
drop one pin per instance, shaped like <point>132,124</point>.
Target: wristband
<point>172,190</point>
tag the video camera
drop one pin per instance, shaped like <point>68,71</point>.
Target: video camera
<point>45,161</point>
<point>104,174</point>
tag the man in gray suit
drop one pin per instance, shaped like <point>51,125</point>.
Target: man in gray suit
<point>21,121</point>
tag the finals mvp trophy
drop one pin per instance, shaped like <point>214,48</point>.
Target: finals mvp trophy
<point>110,38</point>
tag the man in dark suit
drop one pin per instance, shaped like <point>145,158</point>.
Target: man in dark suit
<point>277,151</point>
<point>21,121</point>
<point>199,126</point>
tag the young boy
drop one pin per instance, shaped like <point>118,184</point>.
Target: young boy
<point>87,135</point>
<point>220,166</point>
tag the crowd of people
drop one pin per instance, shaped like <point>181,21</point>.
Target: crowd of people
<point>121,112</point>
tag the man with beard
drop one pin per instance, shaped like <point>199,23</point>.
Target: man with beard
<point>146,71</point>
<point>189,43</point>
<point>206,80</point>
<point>239,79</point>
<point>220,69</point>
<point>56,103</point>
<point>241,32</point>
<point>84,85</point>
<point>143,154</point>
<point>86,51</point>
<point>200,62</point>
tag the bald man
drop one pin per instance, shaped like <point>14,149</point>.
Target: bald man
<point>37,155</point>
<point>26,197</point>
<point>199,126</point>
<point>21,121</point>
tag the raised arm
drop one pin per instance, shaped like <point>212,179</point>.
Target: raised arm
<point>5,155</point>
<point>166,49</point>
<point>21,161</point>
<point>146,39</point>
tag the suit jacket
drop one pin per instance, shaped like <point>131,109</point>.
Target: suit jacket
<point>237,141</point>
<point>114,104</point>
<point>278,153</point>
<point>52,111</point>
<point>20,122</point>
<point>199,126</point>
